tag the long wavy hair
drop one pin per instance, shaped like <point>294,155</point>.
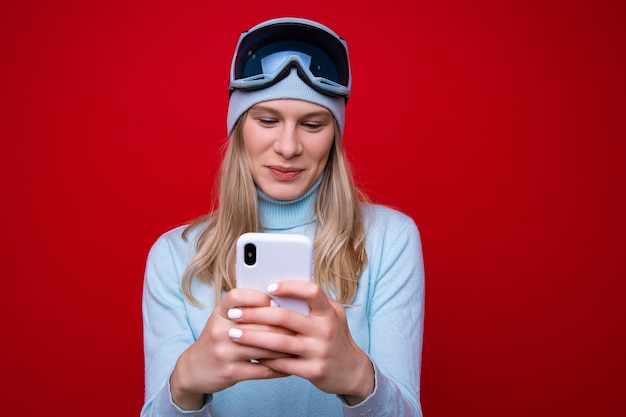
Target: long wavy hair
<point>339,244</point>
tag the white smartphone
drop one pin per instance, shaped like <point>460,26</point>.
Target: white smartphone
<point>266,258</point>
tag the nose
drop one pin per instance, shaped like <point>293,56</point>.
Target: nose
<point>287,142</point>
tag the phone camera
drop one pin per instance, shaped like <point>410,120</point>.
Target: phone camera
<point>249,254</point>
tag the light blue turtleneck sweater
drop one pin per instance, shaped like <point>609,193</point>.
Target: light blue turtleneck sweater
<point>385,319</point>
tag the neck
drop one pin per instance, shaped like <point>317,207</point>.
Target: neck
<point>281,215</point>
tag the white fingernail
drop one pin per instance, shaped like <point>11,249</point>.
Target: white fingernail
<point>272,287</point>
<point>235,333</point>
<point>235,313</point>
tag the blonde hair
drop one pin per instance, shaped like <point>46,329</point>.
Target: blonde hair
<point>339,245</point>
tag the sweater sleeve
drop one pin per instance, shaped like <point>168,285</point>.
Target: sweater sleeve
<point>396,318</point>
<point>167,332</point>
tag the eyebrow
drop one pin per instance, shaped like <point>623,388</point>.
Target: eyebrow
<point>258,107</point>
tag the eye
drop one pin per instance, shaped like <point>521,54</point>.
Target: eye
<point>312,125</point>
<point>266,121</point>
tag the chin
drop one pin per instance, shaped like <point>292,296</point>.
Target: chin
<point>284,193</point>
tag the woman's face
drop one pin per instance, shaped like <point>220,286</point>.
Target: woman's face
<point>287,145</point>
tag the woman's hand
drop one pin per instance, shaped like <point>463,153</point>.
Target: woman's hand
<point>320,349</point>
<point>214,362</point>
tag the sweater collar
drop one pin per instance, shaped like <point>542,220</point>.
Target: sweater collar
<point>287,214</point>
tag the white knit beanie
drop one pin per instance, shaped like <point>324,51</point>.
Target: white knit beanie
<point>291,87</point>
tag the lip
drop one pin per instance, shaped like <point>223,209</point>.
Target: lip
<point>284,173</point>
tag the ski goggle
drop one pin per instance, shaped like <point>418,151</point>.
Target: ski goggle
<point>265,54</point>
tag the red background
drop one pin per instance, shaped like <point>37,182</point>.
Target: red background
<point>497,125</point>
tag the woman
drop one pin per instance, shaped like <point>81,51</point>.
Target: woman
<point>215,350</point>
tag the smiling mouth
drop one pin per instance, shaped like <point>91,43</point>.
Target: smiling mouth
<point>284,173</point>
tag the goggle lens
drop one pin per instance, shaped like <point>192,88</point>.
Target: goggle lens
<point>272,63</point>
<point>271,58</point>
<point>263,56</point>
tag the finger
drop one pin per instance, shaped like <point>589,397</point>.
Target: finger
<point>288,366</point>
<point>259,320</point>
<point>285,345</point>
<point>255,370</point>
<point>308,291</point>
<point>241,351</point>
<point>269,319</point>
<point>239,297</point>
<point>338,307</point>
<point>247,353</point>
